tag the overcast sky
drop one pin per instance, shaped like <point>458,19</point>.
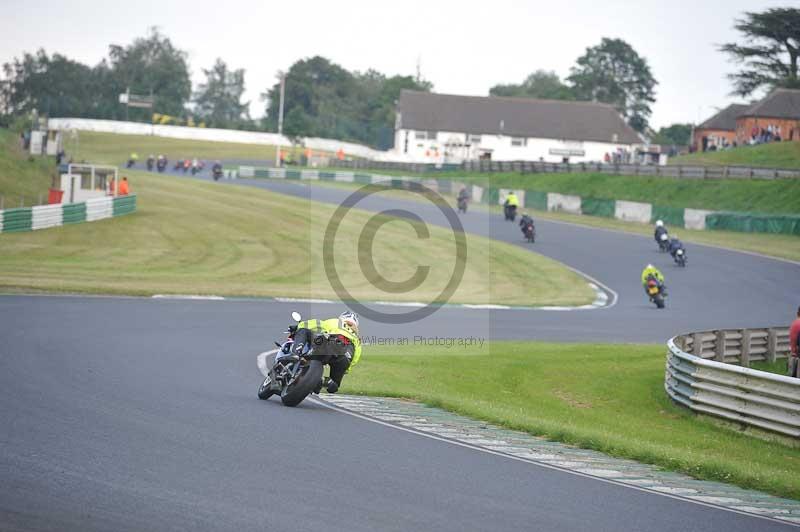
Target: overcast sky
<point>463,47</point>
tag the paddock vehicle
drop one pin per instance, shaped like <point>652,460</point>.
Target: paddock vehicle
<point>295,376</point>
<point>510,212</point>
<point>529,230</point>
<point>680,257</point>
<point>655,291</point>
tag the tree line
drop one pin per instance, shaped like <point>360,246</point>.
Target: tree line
<point>325,100</point>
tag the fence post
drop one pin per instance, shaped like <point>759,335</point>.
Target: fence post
<point>705,172</point>
<point>772,345</point>
<point>745,356</point>
<point>697,344</point>
<point>720,347</point>
<point>680,171</point>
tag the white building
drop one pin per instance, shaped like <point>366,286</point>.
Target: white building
<point>444,128</point>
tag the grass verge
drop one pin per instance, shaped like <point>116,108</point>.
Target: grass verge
<point>605,397</point>
<point>112,148</point>
<point>23,178</point>
<point>194,237</point>
<point>774,155</point>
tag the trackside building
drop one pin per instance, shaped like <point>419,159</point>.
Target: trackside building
<point>444,128</point>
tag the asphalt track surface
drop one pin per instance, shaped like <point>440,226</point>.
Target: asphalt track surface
<point>140,414</point>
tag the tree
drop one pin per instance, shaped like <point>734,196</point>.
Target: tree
<point>55,86</point>
<point>612,72</point>
<point>219,100</point>
<point>152,65</point>
<point>676,134</point>
<point>769,51</point>
<point>540,84</point>
<point>323,99</point>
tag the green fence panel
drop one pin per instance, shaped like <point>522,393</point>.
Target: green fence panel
<point>397,183</point>
<point>327,176</point>
<point>261,172</point>
<point>754,222</point>
<point>292,174</point>
<point>598,207</point>
<point>364,179</point>
<point>74,213</point>
<point>492,196</point>
<point>536,199</point>
<point>124,205</point>
<point>16,220</point>
<point>669,215</point>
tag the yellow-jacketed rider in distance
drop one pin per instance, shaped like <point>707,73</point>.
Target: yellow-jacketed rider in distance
<point>512,200</point>
<point>647,272</point>
<point>345,327</point>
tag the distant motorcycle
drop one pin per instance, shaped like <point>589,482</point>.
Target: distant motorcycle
<point>462,205</point>
<point>295,376</point>
<point>130,163</point>
<point>530,232</point>
<point>161,164</point>
<point>510,212</point>
<point>150,163</point>
<point>216,171</point>
<point>680,257</point>
<point>663,243</point>
<point>655,291</point>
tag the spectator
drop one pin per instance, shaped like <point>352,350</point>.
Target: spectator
<point>123,187</point>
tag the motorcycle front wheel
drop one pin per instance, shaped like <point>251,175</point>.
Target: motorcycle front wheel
<point>265,390</point>
<point>293,395</point>
<point>659,300</point>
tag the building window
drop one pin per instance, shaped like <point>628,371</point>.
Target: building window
<point>425,135</point>
<point>519,141</point>
<point>474,139</point>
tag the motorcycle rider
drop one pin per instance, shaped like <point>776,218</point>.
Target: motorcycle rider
<point>660,230</point>
<point>649,271</point>
<point>525,221</point>
<point>133,158</point>
<point>511,204</point>
<point>216,170</point>
<point>674,245</point>
<point>463,196</point>
<point>345,330</point>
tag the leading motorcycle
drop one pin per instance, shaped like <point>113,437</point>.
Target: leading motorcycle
<point>294,376</point>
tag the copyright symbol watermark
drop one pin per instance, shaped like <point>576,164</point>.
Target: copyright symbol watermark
<point>366,261</point>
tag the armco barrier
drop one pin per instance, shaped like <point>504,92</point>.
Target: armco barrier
<point>630,211</point>
<point>44,216</point>
<point>701,375</point>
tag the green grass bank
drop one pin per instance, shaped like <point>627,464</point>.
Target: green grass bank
<point>772,155</point>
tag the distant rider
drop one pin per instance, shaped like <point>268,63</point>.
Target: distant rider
<point>463,195</point>
<point>345,330</point>
<point>674,245</point>
<point>525,221</point>
<point>660,230</point>
<point>649,271</point>
<point>511,204</point>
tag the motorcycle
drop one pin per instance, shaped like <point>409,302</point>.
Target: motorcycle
<point>294,377</point>
<point>150,163</point>
<point>530,232</point>
<point>161,165</point>
<point>680,257</point>
<point>510,212</point>
<point>130,163</point>
<point>462,205</point>
<point>655,291</point>
<point>217,172</point>
<point>663,243</point>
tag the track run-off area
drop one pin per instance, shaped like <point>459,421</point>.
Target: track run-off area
<point>139,413</point>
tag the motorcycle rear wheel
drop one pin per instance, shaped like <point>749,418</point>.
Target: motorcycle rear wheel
<point>658,299</point>
<point>293,395</point>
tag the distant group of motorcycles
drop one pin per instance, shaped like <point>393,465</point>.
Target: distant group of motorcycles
<point>195,166</point>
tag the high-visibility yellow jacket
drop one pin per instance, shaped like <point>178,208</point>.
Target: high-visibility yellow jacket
<point>512,200</point>
<point>647,272</point>
<point>333,326</point>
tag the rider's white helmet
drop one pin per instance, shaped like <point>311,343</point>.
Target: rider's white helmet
<point>349,320</point>
<point>659,223</point>
<point>649,266</point>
